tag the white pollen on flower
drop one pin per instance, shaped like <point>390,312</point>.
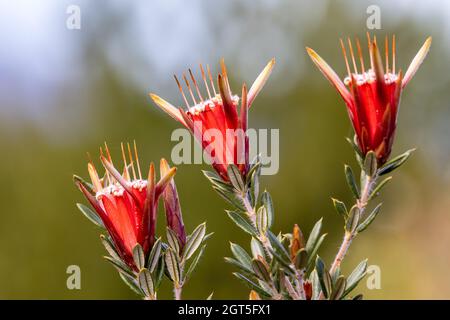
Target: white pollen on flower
<point>369,77</point>
<point>211,103</point>
<point>139,184</point>
<point>118,190</point>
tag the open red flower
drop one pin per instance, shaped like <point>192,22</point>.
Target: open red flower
<point>374,95</point>
<point>216,122</point>
<point>126,204</point>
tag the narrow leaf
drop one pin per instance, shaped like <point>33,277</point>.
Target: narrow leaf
<point>266,200</point>
<point>195,239</point>
<point>350,177</point>
<point>241,255</point>
<point>370,164</point>
<point>154,255</point>
<point>146,282</point>
<point>138,256</point>
<point>395,162</point>
<point>91,215</point>
<point>172,265</point>
<point>353,219</point>
<point>235,178</point>
<point>242,223</point>
<point>363,226</point>
<point>340,208</point>
<point>324,277</point>
<point>313,236</point>
<point>356,276</point>
<point>251,284</point>
<point>378,188</point>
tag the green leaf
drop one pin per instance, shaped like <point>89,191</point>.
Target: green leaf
<point>194,241</point>
<point>370,164</point>
<point>262,220</point>
<point>217,181</point>
<point>286,264</point>
<point>314,278</point>
<point>91,215</point>
<point>172,240</point>
<point>395,162</point>
<point>261,270</point>
<point>251,284</point>
<point>339,288</point>
<point>131,283</point>
<point>363,226</point>
<point>355,277</point>
<point>266,200</point>
<point>120,266</point>
<point>146,282</point>
<point>257,248</point>
<point>353,219</point>
<point>278,246</point>
<point>195,262</point>
<point>229,197</point>
<point>242,223</point>
<point>301,259</point>
<point>378,188</point>
<point>313,236</point>
<point>154,255</point>
<point>138,256</point>
<point>324,277</point>
<point>241,255</point>
<point>350,177</point>
<point>254,185</point>
<point>313,253</point>
<point>159,272</point>
<point>109,246</point>
<point>355,147</point>
<point>239,265</point>
<point>173,266</point>
<point>236,178</point>
<point>340,208</point>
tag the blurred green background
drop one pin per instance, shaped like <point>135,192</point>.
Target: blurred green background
<point>64,92</point>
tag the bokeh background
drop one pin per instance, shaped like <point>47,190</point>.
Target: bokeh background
<point>64,92</point>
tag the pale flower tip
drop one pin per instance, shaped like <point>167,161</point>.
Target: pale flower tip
<point>329,73</point>
<point>417,61</point>
<point>163,166</point>
<point>260,82</point>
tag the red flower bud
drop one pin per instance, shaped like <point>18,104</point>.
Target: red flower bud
<point>172,207</point>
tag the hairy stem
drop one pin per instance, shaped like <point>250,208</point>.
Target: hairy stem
<point>349,236</point>
<point>252,215</point>
<point>300,287</point>
<point>177,292</point>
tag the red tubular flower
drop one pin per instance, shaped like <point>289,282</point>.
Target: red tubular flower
<point>126,205</point>
<point>374,95</point>
<point>172,207</point>
<point>216,122</point>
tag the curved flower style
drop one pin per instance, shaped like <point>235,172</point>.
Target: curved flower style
<point>374,95</point>
<point>127,205</point>
<point>216,122</point>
